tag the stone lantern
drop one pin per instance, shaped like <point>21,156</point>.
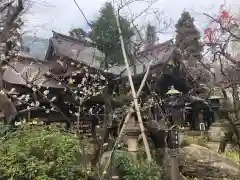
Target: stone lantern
<point>171,102</point>
<point>132,132</point>
<point>215,105</point>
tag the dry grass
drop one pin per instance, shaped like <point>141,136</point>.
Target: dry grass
<point>235,155</point>
<point>201,141</point>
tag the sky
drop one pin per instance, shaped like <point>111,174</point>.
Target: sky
<point>43,16</point>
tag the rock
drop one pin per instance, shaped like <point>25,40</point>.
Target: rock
<point>105,158</point>
<point>217,130</point>
<point>200,162</point>
<point>106,155</point>
<point>215,146</point>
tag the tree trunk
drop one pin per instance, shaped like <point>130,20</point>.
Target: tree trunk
<point>8,109</point>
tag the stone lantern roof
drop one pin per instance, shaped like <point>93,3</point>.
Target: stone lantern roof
<point>172,91</point>
<point>214,97</point>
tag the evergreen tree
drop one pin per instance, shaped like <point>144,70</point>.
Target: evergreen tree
<point>106,37</point>
<point>78,33</point>
<point>151,35</point>
<point>188,37</point>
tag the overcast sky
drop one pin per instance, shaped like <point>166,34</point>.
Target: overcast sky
<point>62,15</point>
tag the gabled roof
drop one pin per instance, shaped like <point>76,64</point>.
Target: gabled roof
<point>70,38</point>
<point>164,53</point>
<point>151,47</point>
<point>160,53</point>
<point>29,70</point>
<point>83,51</point>
<point>75,49</point>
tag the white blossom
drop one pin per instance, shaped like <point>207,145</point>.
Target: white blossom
<point>2,57</point>
<point>76,114</point>
<point>53,98</point>
<point>5,67</point>
<point>46,92</point>
<point>21,97</point>
<point>2,92</point>
<point>102,77</point>
<point>37,104</point>
<point>71,81</point>
<point>27,98</point>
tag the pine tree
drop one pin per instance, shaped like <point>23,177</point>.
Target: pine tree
<point>78,33</point>
<point>106,37</point>
<point>151,35</point>
<point>188,38</point>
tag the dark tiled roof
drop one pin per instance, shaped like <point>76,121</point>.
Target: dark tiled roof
<point>28,69</point>
<point>75,49</point>
<point>84,52</point>
<point>70,38</point>
<point>159,46</point>
<point>159,53</point>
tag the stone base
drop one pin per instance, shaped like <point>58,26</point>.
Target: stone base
<point>132,143</point>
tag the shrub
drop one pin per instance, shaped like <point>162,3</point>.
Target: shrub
<point>37,152</point>
<point>131,169</point>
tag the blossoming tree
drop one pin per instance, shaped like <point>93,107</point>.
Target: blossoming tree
<point>9,45</point>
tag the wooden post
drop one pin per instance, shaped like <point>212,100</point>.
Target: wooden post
<point>175,174</point>
<point>29,116</point>
<point>126,119</point>
<point>133,91</point>
<point>78,117</point>
<point>78,120</point>
<point>174,148</point>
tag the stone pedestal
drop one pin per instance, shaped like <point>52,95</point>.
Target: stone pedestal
<point>181,135</point>
<point>216,114</point>
<point>132,131</point>
<point>215,105</point>
<point>132,142</point>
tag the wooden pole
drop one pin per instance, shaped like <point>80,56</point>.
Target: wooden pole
<point>135,100</point>
<point>127,118</point>
<point>175,174</point>
<point>174,151</point>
